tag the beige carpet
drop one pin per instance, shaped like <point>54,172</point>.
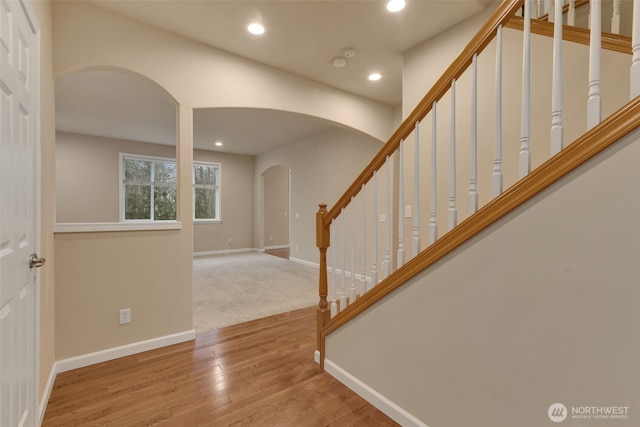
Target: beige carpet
<point>235,288</point>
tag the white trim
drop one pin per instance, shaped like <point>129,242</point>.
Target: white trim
<point>92,227</point>
<point>44,400</point>
<point>385,405</point>
<point>316,356</point>
<point>268,248</point>
<point>304,262</point>
<point>225,251</point>
<point>125,350</point>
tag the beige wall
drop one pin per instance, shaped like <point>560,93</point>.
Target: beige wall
<point>88,175</point>
<point>47,201</point>
<point>237,204</point>
<point>276,206</point>
<point>87,180</point>
<point>87,36</point>
<point>541,307</point>
<point>99,273</point>
<point>322,167</point>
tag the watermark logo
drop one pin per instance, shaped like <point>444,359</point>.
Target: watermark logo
<point>557,412</point>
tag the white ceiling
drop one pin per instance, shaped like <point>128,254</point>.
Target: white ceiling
<point>302,37</point>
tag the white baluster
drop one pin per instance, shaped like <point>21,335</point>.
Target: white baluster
<point>453,211</point>
<point>496,178</point>
<point>400,255</point>
<point>615,18</point>
<point>571,13</point>
<point>551,6</point>
<point>374,256</point>
<point>525,154</point>
<point>352,289</point>
<point>635,47</point>
<point>593,103</point>
<point>334,305</point>
<point>363,278</point>
<point>473,180</point>
<point>536,8</point>
<point>343,294</point>
<point>416,193</point>
<point>386,266</point>
<point>556,94</point>
<point>433,225</point>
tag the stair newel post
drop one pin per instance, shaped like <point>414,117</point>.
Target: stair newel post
<point>323,243</point>
<point>635,48</point>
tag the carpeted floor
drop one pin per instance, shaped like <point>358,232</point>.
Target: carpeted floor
<point>234,288</point>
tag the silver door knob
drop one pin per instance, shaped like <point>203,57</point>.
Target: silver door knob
<point>35,262</point>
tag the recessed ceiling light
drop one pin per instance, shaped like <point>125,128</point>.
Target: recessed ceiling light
<point>255,28</point>
<point>218,144</point>
<point>374,77</point>
<point>395,5</point>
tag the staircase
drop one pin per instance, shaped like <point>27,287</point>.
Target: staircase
<point>482,311</point>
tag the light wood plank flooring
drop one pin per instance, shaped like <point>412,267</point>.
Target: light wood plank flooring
<point>259,373</point>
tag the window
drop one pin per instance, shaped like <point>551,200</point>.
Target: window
<point>148,190</point>
<point>206,191</point>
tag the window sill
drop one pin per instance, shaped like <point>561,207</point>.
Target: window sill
<point>94,227</point>
<point>207,221</point>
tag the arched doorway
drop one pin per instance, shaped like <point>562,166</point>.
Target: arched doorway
<point>276,197</point>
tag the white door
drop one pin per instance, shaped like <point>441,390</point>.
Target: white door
<point>19,85</point>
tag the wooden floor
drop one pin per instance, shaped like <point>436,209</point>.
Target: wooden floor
<point>282,253</point>
<point>259,373</point>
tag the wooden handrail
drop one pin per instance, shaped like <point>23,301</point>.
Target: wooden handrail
<point>501,16</point>
<point>614,42</point>
<point>602,136</point>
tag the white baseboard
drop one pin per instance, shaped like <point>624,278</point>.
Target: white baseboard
<point>316,356</point>
<point>226,251</point>
<point>44,399</point>
<point>125,350</point>
<point>301,261</point>
<point>269,248</point>
<point>395,412</point>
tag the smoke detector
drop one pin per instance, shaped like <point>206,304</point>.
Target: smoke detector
<point>339,62</point>
<point>349,53</point>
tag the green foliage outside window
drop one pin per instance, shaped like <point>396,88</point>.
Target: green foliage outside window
<point>205,178</point>
<point>149,189</point>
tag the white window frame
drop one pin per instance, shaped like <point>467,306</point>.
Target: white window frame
<point>218,187</point>
<point>122,191</point>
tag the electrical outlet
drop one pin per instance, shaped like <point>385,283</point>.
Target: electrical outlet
<point>125,316</point>
<point>382,218</point>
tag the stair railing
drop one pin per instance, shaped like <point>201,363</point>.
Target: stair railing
<point>369,218</point>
